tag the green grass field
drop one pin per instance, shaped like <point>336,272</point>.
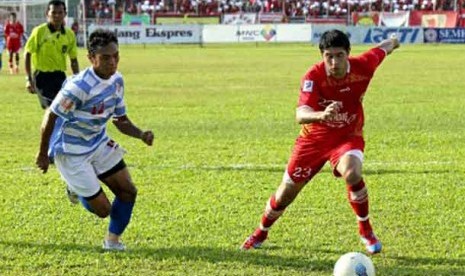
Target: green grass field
<point>223,117</point>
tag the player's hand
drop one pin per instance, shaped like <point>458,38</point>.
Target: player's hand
<point>147,137</point>
<point>395,41</point>
<point>330,111</point>
<point>31,86</point>
<point>42,162</point>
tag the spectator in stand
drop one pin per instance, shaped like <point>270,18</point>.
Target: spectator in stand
<point>427,5</point>
<point>103,10</point>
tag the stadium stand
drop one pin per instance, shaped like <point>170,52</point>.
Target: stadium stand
<point>103,10</point>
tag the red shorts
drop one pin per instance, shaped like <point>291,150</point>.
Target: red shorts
<point>13,46</point>
<point>310,155</point>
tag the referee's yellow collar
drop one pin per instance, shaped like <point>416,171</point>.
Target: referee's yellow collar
<point>52,28</point>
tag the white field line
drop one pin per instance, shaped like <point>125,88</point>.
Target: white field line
<point>251,166</point>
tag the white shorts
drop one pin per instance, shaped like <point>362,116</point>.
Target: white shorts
<point>81,171</point>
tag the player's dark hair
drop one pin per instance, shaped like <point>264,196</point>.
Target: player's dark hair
<point>56,3</point>
<point>100,38</point>
<point>334,38</point>
<point>13,14</point>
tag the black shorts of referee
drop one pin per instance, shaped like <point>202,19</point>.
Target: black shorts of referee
<point>48,85</point>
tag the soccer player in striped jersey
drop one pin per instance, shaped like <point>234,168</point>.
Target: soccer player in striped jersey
<point>73,132</point>
<point>331,114</point>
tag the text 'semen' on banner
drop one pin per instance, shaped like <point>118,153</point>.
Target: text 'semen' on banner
<point>444,35</point>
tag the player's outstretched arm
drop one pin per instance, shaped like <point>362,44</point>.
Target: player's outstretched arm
<point>390,44</point>
<point>46,129</point>
<point>125,126</point>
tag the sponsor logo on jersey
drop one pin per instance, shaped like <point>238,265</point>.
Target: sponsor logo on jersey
<point>308,86</point>
<point>66,104</point>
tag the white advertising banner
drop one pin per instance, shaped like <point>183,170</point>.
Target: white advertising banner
<point>319,29</point>
<point>372,35</point>
<point>294,32</point>
<point>394,19</point>
<point>155,34</point>
<point>257,33</point>
<point>219,33</point>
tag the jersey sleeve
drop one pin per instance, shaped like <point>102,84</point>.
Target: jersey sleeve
<point>32,42</point>
<point>372,58</point>
<point>309,91</point>
<point>120,107</point>
<point>67,100</point>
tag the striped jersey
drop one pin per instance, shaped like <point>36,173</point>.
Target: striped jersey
<point>84,105</point>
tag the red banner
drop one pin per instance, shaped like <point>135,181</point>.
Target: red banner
<point>461,20</point>
<point>434,19</point>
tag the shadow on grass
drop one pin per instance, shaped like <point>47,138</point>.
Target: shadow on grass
<point>405,171</point>
<point>431,266</point>
<point>260,257</point>
<point>263,257</point>
<point>402,260</point>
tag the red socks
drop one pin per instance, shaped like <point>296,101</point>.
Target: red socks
<point>358,199</point>
<point>271,214</point>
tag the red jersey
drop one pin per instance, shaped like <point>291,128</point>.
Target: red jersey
<point>318,89</point>
<point>13,32</point>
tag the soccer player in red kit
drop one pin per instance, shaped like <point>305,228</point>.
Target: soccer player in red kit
<point>13,33</point>
<point>331,114</point>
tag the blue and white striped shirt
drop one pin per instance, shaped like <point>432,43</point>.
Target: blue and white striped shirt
<point>84,105</point>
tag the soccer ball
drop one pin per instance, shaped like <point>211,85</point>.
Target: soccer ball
<point>354,264</point>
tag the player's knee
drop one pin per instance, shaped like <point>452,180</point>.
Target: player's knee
<point>287,192</point>
<point>129,194</point>
<point>290,184</point>
<point>352,176</point>
<point>133,193</point>
<point>103,211</point>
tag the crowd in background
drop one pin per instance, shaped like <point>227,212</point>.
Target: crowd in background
<point>113,9</point>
